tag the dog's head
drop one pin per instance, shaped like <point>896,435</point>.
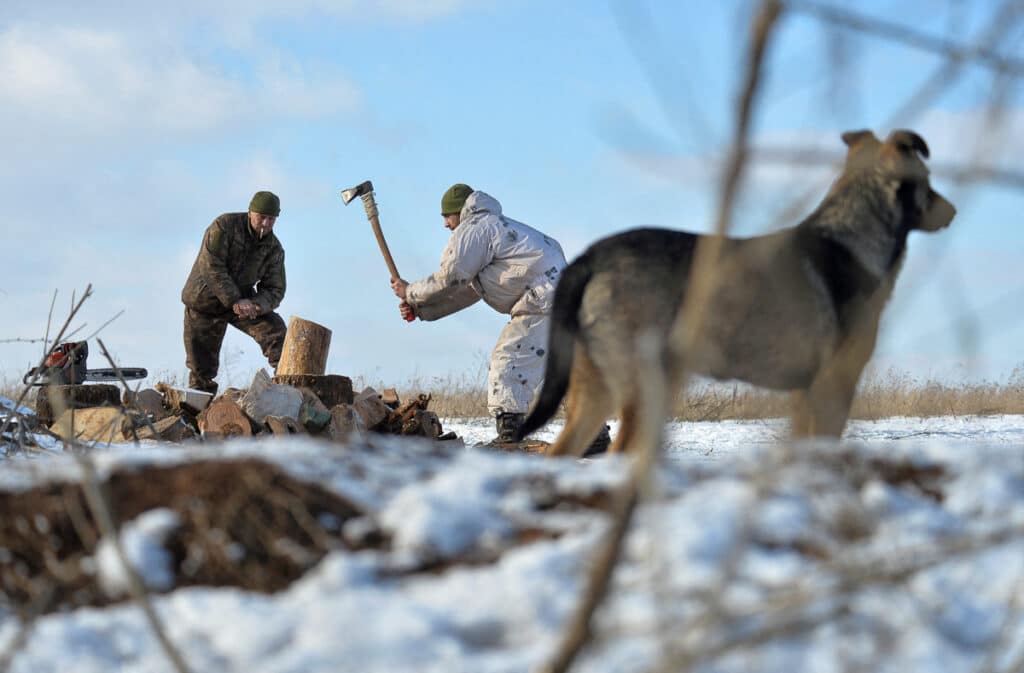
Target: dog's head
<point>899,162</point>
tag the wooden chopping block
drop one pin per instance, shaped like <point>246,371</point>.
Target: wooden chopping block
<point>305,348</point>
<point>332,389</point>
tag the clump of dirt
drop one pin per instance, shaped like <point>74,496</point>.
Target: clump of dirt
<point>244,523</point>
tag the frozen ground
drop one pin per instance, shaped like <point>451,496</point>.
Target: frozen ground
<point>899,549</point>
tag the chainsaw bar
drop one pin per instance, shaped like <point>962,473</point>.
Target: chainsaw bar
<point>59,376</point>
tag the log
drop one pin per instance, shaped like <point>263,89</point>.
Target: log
<point>423,424</point>
<point>390,398</point>
<point>282,426</point>
<point>371,407</point>
<point>148,401</point>
<point>75,397</point>
<point>305,348</point>
<point>170,429</point>
<point>93,424</point>
<point>331,389</point>
<point>345,423</point>
<point>183,399</point>
<point>313,415</point>
<point>222,419</point>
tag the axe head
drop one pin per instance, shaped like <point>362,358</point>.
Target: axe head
<point>363,188</point>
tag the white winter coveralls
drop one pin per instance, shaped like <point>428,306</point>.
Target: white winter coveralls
<point>513,268</point>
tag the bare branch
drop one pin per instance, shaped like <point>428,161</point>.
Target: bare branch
<point>101,511</point>
<point>891,31</point>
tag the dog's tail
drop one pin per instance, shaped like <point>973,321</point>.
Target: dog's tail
<point>565,325</point>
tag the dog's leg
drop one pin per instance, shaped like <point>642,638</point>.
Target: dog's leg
<point>801,415</point>
<point>588,405</point>
<point>627,427</point>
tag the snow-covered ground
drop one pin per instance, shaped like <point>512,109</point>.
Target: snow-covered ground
<point>748,556</point>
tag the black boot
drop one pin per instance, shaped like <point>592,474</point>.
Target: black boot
<point>508,425</point>
<point>600,444</point>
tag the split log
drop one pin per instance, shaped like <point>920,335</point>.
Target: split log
<point>423,424</point>
<point>332,389</point>
<point>313,415</point>
<point>75,397</point>
<point>305,348</point>
<point>345,423</point>
<point>223,419</point>
<point>184,399</point>
<point>390,398</point>
<point>282,426</point>
<point>371,407</point>
<point>94,424</point>
<point>148,401</point>
<point>170,429</point>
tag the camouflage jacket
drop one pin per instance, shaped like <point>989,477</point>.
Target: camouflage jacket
<point>234,264</point>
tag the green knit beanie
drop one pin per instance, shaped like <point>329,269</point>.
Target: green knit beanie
<point>455,198</point>
<point>265,203</point>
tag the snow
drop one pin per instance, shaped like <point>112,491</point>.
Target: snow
<point>864,573</point>
<point>142,541</point>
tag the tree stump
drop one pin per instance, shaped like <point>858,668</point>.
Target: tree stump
<point>222,419</point>
<point>75,397</point>
<point>332,389</point>
<point>305,349</point>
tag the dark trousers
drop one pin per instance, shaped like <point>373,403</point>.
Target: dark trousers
<point>204,334</point>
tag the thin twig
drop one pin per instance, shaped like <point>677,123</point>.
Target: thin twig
<point>103,515</point>
<point>26,622</point>
<point>49,321</point>
<point>75,307</point>
<point>133,402</point>
<point>960,173</point>
<point>654,411</point>
<point>980,53</point>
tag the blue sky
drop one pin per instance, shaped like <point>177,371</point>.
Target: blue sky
<point>126,130</point>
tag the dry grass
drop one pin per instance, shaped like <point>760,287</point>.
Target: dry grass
<point>893,393</point>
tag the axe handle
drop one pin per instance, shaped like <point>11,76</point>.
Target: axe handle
<point>370,204</point>
<point>375,223</point>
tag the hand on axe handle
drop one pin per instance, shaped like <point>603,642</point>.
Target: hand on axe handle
<point>399,286</point>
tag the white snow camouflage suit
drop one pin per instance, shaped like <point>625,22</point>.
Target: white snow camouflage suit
<point>514,269</point>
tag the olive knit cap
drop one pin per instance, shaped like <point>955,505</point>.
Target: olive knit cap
<point>265,203</point>
<point>455,198</point>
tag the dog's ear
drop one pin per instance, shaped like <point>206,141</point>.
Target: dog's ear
<point>908,141</point>
<point>851,138</point>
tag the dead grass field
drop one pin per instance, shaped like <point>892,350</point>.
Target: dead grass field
<point>893,393</point>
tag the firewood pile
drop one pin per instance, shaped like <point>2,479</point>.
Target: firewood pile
<point>266,408</point>
<point>300,399</point>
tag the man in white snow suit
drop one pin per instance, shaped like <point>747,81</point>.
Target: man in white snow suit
<point>513,268</point>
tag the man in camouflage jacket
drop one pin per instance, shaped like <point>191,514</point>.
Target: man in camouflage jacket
<point>237,279</point>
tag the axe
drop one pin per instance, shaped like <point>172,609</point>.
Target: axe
<point>365,191</point>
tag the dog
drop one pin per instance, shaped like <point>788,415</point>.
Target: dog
<point>794,310</point>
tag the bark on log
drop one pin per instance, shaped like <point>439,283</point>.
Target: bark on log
<point>222,419</point>
<point>75,397</point>
<point>332,389</point>
<point>305,348</point>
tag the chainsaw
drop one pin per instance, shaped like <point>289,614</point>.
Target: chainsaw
<point>65,366</point>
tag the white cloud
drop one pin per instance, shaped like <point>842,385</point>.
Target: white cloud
<point>94,84</point>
